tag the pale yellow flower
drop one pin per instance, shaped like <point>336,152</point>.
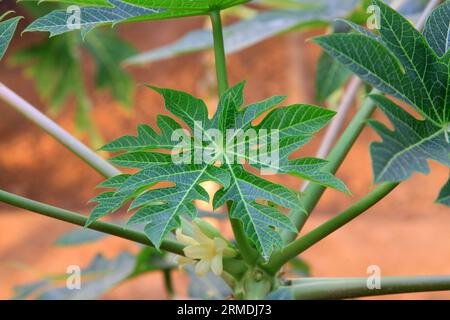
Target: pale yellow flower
<point>205,253</point>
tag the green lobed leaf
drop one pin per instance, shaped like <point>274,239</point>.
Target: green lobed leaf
<point>147,138</point>
<point>400,62</point>
<point>108,201</point>
<point>7,29</point>
<point>79,236</point>
<point>159,208</point>
<point>299,267</point>
<point>99,277</point>
<point>258,220</point>
<point>408,148</point>
<point>283,293</point>
<point>108,52</point>
<point>172,4</point>
<point>61,21</point>
<point>104,3</point>
<point>55,66</point>
<point>94,13</point>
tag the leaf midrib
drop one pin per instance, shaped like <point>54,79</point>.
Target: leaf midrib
<point>414,65</point>
<point>369,71</point>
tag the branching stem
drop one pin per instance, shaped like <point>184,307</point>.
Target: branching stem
<point>73,144</point>
<point>80,220</point>
<point>247,252</point>
<point>314,192</point>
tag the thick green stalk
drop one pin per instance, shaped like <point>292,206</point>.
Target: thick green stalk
<point>80,220</point>
<point>219,52</point>
<point>248,253</point>
<point>314,191</point>
<point>303,243</point>
<point>347,288</point>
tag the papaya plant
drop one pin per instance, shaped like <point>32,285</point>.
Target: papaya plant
<point>241,145</point>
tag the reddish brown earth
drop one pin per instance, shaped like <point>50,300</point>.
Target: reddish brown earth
<point>405,235</point>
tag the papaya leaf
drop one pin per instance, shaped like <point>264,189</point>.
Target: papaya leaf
<point>408,148</point>
<point>412,67</point>
<point>330,76</point>
<point>7,29</point>
<point>62,21</point>
<point>101,276</point>
<point>444,195</point>
<point>249,32</point>
<point>399,62</point>
<point>25,291</point>
<point>205,5</point>
<point>199,154</point>
<point>209,287</point>
<point>104,3</point>
<point>108,51</point>
<point>78,237</point>
<point>280,294</point>
<point>56,69</point>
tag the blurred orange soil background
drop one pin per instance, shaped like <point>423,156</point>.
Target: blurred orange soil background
<point>406,234</point>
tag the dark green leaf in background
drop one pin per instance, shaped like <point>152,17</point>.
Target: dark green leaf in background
<point>160,208</point>
<point>99,277</point>
<point>437,29</point>
<point>57,66</point>
<point>61,21</point>
<point>79,236</point>
<point>412,67</point>
<point>117,11</point>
